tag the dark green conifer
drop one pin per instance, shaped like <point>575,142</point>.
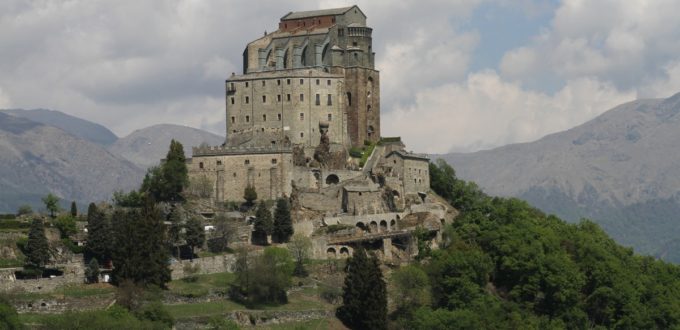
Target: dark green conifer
<point>37,247</point>
<point>263,225</point>
<point>195,234</point>
<point>364,297</point>
<point>99,234</point>
<point>74,209</point>
<point>283,225</point>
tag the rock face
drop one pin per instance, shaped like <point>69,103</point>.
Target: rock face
<point>147,146</point>
<point>81,128</point>
<point>38,159</point>
<point>622,169</point>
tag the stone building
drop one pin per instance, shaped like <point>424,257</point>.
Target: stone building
<point>412,169</point>
<point>317,67</point>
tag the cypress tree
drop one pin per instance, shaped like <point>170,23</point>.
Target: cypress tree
<point>195,234</point>
<point>99,234</point>
<point>175,231</point>
<point>263,225</point>
<point>141,255</point>
<point>364,296</point>
<point>283,225</point>
<point>74,209</point>
<point>37,247</point>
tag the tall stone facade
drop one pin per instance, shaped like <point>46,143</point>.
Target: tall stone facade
<point>318,67</point>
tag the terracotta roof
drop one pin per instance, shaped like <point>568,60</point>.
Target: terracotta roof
<point>315,13</point>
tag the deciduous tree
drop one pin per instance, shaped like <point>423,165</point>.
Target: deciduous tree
<point>51,204</point>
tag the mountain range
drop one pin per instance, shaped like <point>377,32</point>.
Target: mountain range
<point>47,151</point>
<point>621,169</point>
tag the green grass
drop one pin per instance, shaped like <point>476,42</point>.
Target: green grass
<point>183,311</point>
<point>84,290</point>
<point>308,324</point>
<point>9,263</point>
<point>203,285</point>
<point>368,150</point>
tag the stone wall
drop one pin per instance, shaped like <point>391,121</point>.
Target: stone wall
<point>207,265</point>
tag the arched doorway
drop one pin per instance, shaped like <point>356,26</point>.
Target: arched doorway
<point>332,179</point>
<point>330,253</point>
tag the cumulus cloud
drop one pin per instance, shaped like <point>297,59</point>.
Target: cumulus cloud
<point>485,111</point>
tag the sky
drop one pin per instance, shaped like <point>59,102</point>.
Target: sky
<point>478,74</point>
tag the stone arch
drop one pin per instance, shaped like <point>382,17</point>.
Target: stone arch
<point>383,226</point>
<point>269,60</point>
<point>285,59</point>
<point>373,227</point>
<point>349,99</point>
<point>332,179</point>
<point>344,252</point>
<point>324,53</point>
<point>330,253</point>
<point>392,224</point>
<point>395,194</point>
<point>361,226</point>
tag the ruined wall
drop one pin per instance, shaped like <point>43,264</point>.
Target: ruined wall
<point>207,265</point>
<point>74,272</point>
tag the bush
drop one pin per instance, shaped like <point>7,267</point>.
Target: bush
<point>7,216</point>
<point>331,294</point>
<point>355,152</point>
<point>14,224</point>
<point>73,247</point>
<point>337,227</point>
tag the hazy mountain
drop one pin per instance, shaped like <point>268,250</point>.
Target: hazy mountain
<point>146,147</point>
<point>37,159</point>
<point>622,169</point>
<point>75,126</point>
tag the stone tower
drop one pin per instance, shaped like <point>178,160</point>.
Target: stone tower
<point>316,71</point>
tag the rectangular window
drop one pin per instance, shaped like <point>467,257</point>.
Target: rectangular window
<point>247,119</point>
<point>219,162</point>
<point>302,116</point>
<point>232,100</point>
<point>263,83</point>
<point>273,160</point>
<point>246,84</point>
<point>247,99</point>
<point>278,82</point>
<point>264,117</point>
<point>328,82</point>
<point>233,119</point>
<point>302,134</point>
<point>330,117</point>
<point>287,81</point>
<point>317,81</point>
<point>329,101</point>
<point>246,162</point>
<point>278,116</point>
<point>200,165</point>
<point>264,98</point>
<point>302,81</point>
<point>302,97</point>
<point>318,99</point>
<point>278,98</point>
<point>288,97</point>
<point>231,85</point>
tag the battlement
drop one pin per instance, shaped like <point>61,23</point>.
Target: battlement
<point>224,150</point>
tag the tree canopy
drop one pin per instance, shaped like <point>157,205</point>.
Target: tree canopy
<point>51,204</point>
<point>364,295</point>
<point>283,224</point>
<point>167,181</point>
<point>37,247</point>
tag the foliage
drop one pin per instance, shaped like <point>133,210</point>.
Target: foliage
<point>225,232</point>
<point>411,288</point>
<point>175,236</point>
<point>74,209</point>
<point>368,150</point>
<point>14,224</point>
<point>194,234</point>
<point>73,247</point>
<point>92,271</point>
<point>51,204</point>
<point>300,247</point>
<point>263,279</point>
<point>283,224</point>
<point>131,199</point>
<point>9,319</point>
<point>167,181</point>
<point>250,195</point>
<point>99,233</point>
<point>140,253</point>
<point>24,210</point>
<point>508,265</point>
<point>113,318</point>
<point>355,152</point>
<point>191,272</point>
<point>155,312</point>
<point>263,224</point>
<point>337,227</point>
<point>37,249</point>
<point>66,224</point>
<point>422,238</point>
<point>364,295</point>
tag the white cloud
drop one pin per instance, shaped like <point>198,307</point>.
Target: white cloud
<point>4,100</point>
<point>486,111</point>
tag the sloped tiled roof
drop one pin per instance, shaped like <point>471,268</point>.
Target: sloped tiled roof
<point>315,13</point>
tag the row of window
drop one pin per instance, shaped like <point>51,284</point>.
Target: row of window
<point>278,83</point>
<point>329,99</point>
<point>278,117</point>
<point>245,162</point>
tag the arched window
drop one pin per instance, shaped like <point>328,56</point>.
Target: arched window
<point>332,179</point>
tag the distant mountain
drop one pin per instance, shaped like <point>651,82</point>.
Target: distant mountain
<point>81,128</point>
<point>146,147</point>
<point>38,159</point>
<point>621,169</point>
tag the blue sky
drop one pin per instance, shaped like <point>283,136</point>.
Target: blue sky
<point>480,73</point>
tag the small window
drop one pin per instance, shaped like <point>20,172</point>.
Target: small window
<point>302,81</point>
<point>273,160</point>
<point>369,108</point>
<point>287,81</point>
<point>302,97</point>
<point>288,97</point>
<point>246,84</point>
<point>317,81</point>
<point>329,100</point>
<point>232,100</point>
<point>264,117</point>
<point>246,162</point>
<point>200,165</point>
<point>302,134</point>
<point>264,98</point>
<point>234,174</point>
<point>318,99</point>
<point>263,83</point>
<point>247,99</point>
<point>278,116</point>
<point>247,119</point>
<point>354,43</point>
<point>278,82</point>
<point>233,119</point>
<point>278,98</point>
<point>219,162</point>
<point>302,116</point>
<point>328,82</point>
<point>330,117</point>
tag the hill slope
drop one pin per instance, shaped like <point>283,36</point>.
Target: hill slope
<point>146,147</point>
<point>37,159</point>
<point>75,126</point>
<point>622,169</point>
